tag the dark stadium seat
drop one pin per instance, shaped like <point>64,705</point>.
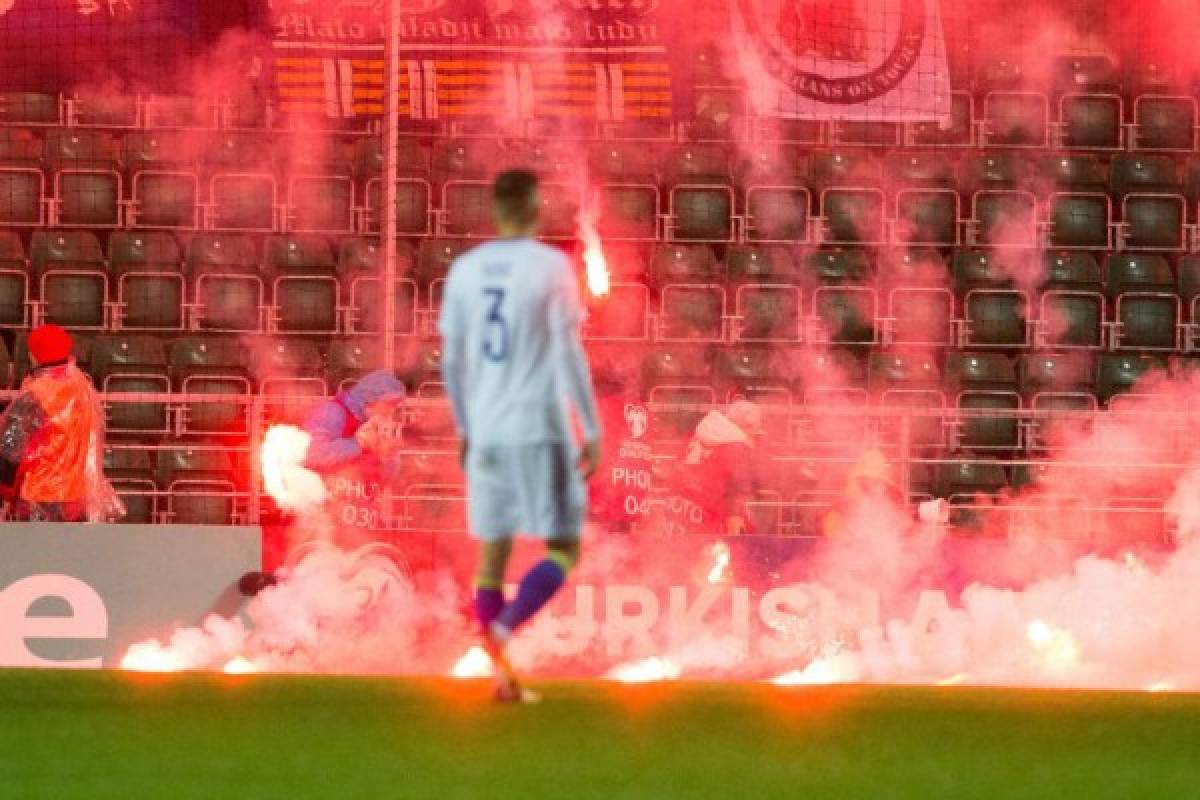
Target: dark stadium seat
<point>994,312</point>
<point>29,108</point>
<point>165,200</point>
<point>852,216</point>
<point>414,201</point>
<point>1003,218</point>
<point>200,485</point>
<point>624,313</point>
<point>1153,222</point>
<point>678,383</point>
<point>320,204</point>
<point>434,257</point>
<point>315,155</point>
<point>289,373</point>
<point>20,147</point>
<point>211,365</point>
<point>22,197</point>
<point>1071,305</point>
<point>14,282</point>
<point>760,264</point>
<point>982,381</point>
<point>777,214</point>
<point>963,479</point>
<point>684,263</point>
<point>768,312</point>
<point>692,312</point>
<point>82,149</point>
<point>1015,119</point>
<point>349,359</point>
<point>788,131</point>
<point>624,162</point>
<point>103,109</point>
<point>305,285</point>
<point>627,211</point>
<point>87,199</point>
<point>868,133</point>
<point>227,290</point>
<point>1074,172</point>
<point>697,163</point>
<point>928,169</point>
<point>1079,220</point>
<point>700,213</point>
<point>158,150</point>
<point>994,170</point>
<point>829,376</point>
<point>1147,310</point>
<point>243,202</point>
<point>1143,172</point>
<point>131,472</point>
<point>1071,373</point>
<point>150,287</point>
<point>847,167</point>
<point>412,158</point>
<point>836,266</point>
<point>1091,73</point>
<point>909,381</point>
<point>467,208</point>
<point>751,370</point>
<point>771,164</point>
<point>72,282</point>
<point>959,133</point>
<point>1119,372</point>
<point>1188,286</point>
<point>1090,121</point>
<point>927,218</point>
<point>560,210</point>
<point>920,315</point>
<point>179,111</point>
<point>132,364</point>
<point>458,159</point>
<point>1162,122</point>
<point>366,306</point>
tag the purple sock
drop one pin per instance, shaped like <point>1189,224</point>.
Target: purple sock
<point>536,589</point>
<point>488,603</point>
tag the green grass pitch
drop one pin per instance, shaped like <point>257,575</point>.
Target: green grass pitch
<point>91,735</point>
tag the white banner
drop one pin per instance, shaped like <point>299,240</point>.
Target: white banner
<point>861,60</point>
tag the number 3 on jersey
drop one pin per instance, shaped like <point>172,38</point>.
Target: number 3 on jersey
<point>495,340</point>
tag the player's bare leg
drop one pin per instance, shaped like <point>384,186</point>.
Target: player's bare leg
<point>489,602</point>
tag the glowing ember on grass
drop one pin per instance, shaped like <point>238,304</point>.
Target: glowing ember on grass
<point>647,670</point>
<point>474,663</point>
<point>1056,647</point>
<point>954,680</point>
<point>840,668</point>
<point>151,657</point>
<point>240,666</point>
<point>289,483</point>
<point>1161,686</point>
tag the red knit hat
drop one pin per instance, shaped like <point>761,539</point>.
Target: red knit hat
<point>49,344</point>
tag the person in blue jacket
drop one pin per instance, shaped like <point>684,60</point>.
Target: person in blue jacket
<point>354,421</point>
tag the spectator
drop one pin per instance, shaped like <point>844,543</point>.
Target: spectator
<point>52,440</point>
<point>719,473</point>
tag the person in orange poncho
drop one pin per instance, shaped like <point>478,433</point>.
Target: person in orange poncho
<point>52,440</point>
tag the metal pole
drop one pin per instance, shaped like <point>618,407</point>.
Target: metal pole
<point>391,140</point>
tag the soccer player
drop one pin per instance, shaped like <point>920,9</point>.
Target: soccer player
<point>514,367</point>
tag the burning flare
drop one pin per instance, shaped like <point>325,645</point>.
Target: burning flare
<point>239,665</point>
<point>286,479</point>
<point>474,663</point>
<point>594,261</point>
<point>152,657</point>
<point>647,670</point>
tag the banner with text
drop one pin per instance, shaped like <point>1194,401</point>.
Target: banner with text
<point>502,59</point>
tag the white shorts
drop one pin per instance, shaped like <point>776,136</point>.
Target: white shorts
<point>532,489</point>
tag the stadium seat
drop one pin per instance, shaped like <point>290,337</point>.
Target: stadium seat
<point>306,291</point>
<point>243,202</point>
<point>1003,218</point>
<point>412,158</point>
<point>771,164</point>
<point>760,264</point>
<point>87,199</point>
<point>179,111</point>
<point>132,364</point>
<point>199,483</point>
<point>622,314</point>
<point>131,472</point>
<point>1073,372</point>
<point>994,313</point>
<point>1119,372</point>
<point>624,162</point>
<point>922,169</point>
<point>852,216</point>
<point>961,481</point>
<point>692,312</point>
<point>777,214</point>
<point>788,131</point>
<point>1189,289</point>
<point>304,154</point>
<point>1147,310</point>
<point>908,381</point>
<point>467,208</point>
<point>72,283</point>
<point>29,108</point>
<point>920,315</point>
<point>81,148</point>
<point>1153,222</point>
<point>1164,123</point>
<point>1079,221</point>
<point>1075,172</point>
<point>768,312</point>
<point>700,213</point>
<point>560,210</point>
<point>684,263</point>
<point>984,381</point>
<point>159,151</point>
<point>993,170</point>
<point>22,197</point>
<point>922,267</point>
<point>1090,121</point>
<point>678,383</point>
<point>752,371</point>
<point>164,200</point>
<point>351,358</point>
<point>320,204</point>
<point>844,167</point>
<point>1071,306</point>
<point>366,306</point>
<point>459,159</point>
<point>434,257</point>
<point>844,315</point>
<point>927,218</point>
<point>1015,119</point>
<point>20,147</point>
<point>14,282</point>
<point>960,132</point>
<point>1143,172</point>
<point>413,206</point>
<point>360,270</point>
<point>1093,73</point>
<point>150,286</point>
<point>627,211</point>
<point>211,365</point>
<point>697,163</point>
<point>226,285</point>
<point>290,375</point>
<point>827,376</point>
<point>103,110</point>
<point>867,133</point>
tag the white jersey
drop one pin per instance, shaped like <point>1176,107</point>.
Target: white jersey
<point>511,355</point>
